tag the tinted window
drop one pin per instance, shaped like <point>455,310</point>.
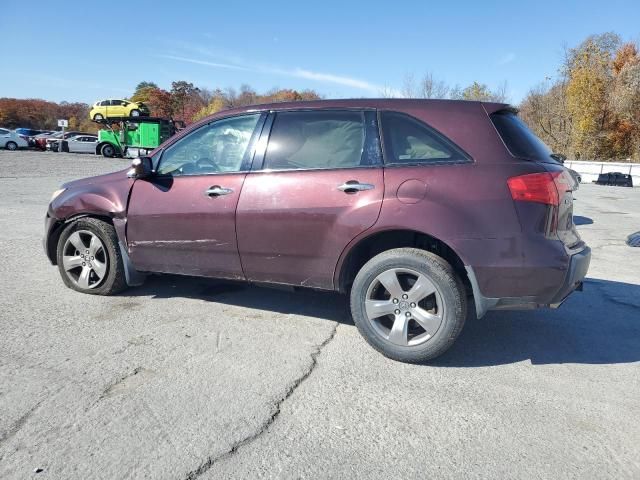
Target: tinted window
<point>409,141</point>
<point>218,147</point>
<point>320,139</point>
<point>3,131</point>
<point>520,141</point>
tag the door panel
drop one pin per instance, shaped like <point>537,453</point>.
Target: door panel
<point>294,225</point>
<point>173,226</point>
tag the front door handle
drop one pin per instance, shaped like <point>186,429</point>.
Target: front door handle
<point>217,190</point>
<point>353,186</point>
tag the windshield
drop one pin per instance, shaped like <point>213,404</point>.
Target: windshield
<point>520,141</point>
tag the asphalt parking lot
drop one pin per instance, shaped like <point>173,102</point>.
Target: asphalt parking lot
<point>190,378</point>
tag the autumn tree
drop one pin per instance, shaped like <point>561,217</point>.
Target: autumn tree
<point>588,71</point>
<point>623,138</point>
<point>160,102</point>
<point>186,101</point>
<point>545,110</point>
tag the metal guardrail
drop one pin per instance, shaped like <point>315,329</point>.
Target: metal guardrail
<point>589,171</point>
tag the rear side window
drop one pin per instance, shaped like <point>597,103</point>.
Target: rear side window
<point>318,139</point>
<point>409,141</point>
<point>520,141</point>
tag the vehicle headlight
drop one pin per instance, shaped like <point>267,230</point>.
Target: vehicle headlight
<point>56,194</point>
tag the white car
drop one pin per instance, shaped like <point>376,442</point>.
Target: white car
<point>82,144</point>
<point>11,140</point>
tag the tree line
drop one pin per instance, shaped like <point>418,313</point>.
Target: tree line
<point>589,110</point>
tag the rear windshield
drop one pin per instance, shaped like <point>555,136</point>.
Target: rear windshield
<point>520,141</point>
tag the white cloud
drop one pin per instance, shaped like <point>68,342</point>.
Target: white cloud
<point>203,62</point>
<point>236,63</point>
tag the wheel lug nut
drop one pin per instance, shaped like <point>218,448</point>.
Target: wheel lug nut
<point>413,305</point>
<point>405,296</point>
<point>84,264</point>
<point>407,314</point>
<point>397,312</point>
<point>395,300</point>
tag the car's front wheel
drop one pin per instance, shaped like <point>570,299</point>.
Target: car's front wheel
<point>89,258</point>
<point>11,146</point>
<point>135,113</point>
<point>408,304</point>
<point>97,117</point>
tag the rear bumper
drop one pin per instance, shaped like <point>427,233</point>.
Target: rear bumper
<point>578,266</point>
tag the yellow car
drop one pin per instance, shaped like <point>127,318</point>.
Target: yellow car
<point>117,108</point>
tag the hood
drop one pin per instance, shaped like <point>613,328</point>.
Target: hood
<point>119,176</point>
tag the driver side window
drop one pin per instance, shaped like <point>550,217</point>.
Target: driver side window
<point>218,147</point>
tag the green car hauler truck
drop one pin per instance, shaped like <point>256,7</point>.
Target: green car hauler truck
<point>132,137</point>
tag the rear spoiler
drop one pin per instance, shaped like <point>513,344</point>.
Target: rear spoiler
<point>498,107</point>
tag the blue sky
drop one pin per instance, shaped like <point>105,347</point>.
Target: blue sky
<point>339,48</point>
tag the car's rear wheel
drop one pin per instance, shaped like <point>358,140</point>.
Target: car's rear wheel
<point>108,150</point>
<point>97,117</point>
<point>11,146</point>
<point>135,113</point>
<point>408,304</point>
<point>89,258</point>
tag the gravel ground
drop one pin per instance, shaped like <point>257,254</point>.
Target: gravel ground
<point>190,378</point>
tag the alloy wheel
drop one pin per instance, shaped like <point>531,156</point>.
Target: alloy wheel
<point>404,306</point>
<point>85,259</point>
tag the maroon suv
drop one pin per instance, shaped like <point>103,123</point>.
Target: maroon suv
<point>412,206</point>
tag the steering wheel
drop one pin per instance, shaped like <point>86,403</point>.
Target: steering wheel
<point>206,164</point>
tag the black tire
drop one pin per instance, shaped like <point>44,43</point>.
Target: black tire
<point>11,146</point>
<point>97,117</point>
<point>134,113</point>
<point>442,276</point>
<point>108,150</point>
<point>114,280</point>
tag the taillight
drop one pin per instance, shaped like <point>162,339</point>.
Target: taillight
<point>536,187</point>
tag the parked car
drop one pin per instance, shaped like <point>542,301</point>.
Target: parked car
<point>117,108</point>
<point>51,143</point>
<point>39,141</point>
<point>410,206</point>
<point>80,144</point>
<point>576,177</point>
<point>28,132</point>
<point>10,140</point>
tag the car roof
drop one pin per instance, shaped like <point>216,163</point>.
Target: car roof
<point>379,103</point>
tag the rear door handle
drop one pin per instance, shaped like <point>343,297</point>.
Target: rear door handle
<point>353,186</point>
<point>217,190</point>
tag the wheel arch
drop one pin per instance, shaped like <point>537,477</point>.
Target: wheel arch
<point>59,225</point>
<point>133,277</point>
<point>365,248</point>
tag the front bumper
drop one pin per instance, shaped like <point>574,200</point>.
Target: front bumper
<point>50,238</point>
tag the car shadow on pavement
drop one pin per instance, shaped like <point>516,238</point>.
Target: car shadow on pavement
<point>600,325</point>
<point>285,300</point>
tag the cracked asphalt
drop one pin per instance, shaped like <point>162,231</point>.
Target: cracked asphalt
<point>188,378</point>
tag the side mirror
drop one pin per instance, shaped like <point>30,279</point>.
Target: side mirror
<point>141,167</point>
